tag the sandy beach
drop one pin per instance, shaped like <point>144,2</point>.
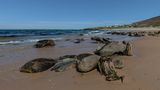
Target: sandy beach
<point>141,70</point>
<point>79,45</point>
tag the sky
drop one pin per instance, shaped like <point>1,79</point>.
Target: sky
<point>73,14</point>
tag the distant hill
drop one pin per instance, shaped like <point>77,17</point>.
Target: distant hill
<point>152,22</point>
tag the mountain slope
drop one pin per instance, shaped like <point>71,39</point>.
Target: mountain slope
<point>152,22</point>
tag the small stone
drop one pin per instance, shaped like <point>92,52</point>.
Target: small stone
<point>44,43</point>
<point>87,62</point>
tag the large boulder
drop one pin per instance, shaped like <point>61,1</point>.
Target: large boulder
<point>87,62</point>
<point>64,63</point>
<point>37,65</point>
<point>128,50</point>
<point>115,47</point>
<point>107,68</point>
<point>44,43</point>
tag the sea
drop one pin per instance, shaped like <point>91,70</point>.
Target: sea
<point>8,37</point>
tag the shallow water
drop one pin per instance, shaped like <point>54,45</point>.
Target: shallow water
<point>9,37</point>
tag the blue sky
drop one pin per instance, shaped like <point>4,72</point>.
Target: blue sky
<point>66,14</point>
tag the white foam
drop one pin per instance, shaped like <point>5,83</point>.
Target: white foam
<point>25,41</point>
<point>57,38</point>
<point>31,40</point>
<point>10,42</point>
<point>94,33</point>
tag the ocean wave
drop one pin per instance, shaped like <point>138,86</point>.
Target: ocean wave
<point>24,41</point>
<point>94,33</point>
<point>22,33</point>
<point>10,42</point>
<point>11,35</point>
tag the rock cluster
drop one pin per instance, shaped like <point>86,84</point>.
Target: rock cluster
<point>136,33</point>
<point>106,60</point>
<point>115,47</point>
<point>87,62</point>
<point>101,40</point>
<point>107,68</point>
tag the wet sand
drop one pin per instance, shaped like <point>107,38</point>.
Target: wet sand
<point>141,70</point>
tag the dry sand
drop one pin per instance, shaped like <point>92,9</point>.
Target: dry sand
<point>141,70</point>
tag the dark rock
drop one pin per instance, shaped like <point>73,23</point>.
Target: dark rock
<point>107,68</point>
<point>119,33</point>
<point>137,34</point>
<point>44,43</point>
<point>101,40</point>
<point>150,34</point>
<point>87,62</point>
<point>105,65</point>
<point>37,65</point>
<point>154,33</point>
<point>128,50</point>
<point>108,33</point>
<point>81,34</point>
<point>64,63</point>
<point>132,34</point>
<point>114,47</point>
